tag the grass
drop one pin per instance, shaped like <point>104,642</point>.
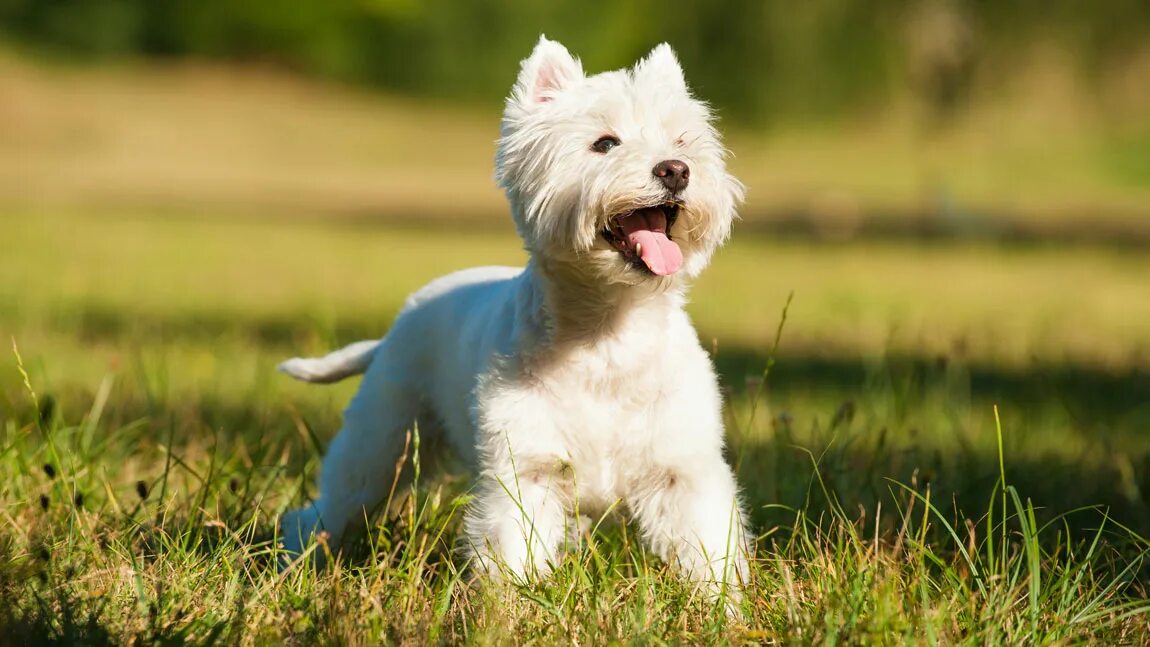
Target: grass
<point>950,445</point>
<point>123,525</point>
<point>146,277</point>
<point>148,446</point>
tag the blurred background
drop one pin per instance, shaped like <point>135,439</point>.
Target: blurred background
<point>956,192</point>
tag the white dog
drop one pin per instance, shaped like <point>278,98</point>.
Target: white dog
<point>577,382</point>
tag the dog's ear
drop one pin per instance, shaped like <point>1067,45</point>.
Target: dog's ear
<point>548,70</point>
<point>662,67</point>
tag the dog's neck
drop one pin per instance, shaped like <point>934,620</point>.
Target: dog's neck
<point>572,308</point>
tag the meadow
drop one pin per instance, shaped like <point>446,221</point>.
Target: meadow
<point>153,445</point>
<point>939,441</point>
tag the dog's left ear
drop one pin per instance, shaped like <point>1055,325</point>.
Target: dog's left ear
<point>548,70</point>
<point>662,67</point>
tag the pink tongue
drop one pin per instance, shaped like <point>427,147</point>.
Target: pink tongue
<point>660,253</point>
<point>646,230</point>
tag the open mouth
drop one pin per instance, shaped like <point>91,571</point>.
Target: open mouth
<point>643,237</point>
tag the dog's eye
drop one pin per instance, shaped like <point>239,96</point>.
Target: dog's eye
<point>605,143</point>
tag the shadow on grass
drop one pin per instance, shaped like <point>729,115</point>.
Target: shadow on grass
<point>1096,396</point>
<point>1097,400</point>
<point>1075,437</point>
<point>61,615</point>
<point>781,477</point>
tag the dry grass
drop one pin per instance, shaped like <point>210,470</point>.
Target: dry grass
<point>207,138</point>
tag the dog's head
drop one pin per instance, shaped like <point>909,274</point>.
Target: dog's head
<point>620,175</point>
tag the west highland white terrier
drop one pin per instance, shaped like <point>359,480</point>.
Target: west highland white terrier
<point>576,383</point>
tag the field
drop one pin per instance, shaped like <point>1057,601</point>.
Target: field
<point>150,346</point>
<point>944,442</point>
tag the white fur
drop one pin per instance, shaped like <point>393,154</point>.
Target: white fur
<point>577,382</point>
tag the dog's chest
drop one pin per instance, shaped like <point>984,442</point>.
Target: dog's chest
<point>604,403</point>
<point>620,378</point>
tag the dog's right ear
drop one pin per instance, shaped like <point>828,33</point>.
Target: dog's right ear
<point>548,70</point>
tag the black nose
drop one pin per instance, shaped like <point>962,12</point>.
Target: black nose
<point>673,174</point>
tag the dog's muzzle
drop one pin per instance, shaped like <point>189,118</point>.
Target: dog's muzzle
<point>643,237</point>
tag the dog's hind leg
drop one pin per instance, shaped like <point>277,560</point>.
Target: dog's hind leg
<point>359,468</point>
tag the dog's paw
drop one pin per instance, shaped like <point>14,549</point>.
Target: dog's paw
<point>298,529</point>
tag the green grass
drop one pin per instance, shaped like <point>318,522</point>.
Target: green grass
<point>181,555</point>
<point>890,503</point>
<point>169,543</point>
<point>109,277</point>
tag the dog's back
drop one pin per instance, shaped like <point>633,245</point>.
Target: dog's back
<point>354,359</point>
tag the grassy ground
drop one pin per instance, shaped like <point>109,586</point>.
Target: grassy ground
<point>171,236</point>
<point>151,446</point>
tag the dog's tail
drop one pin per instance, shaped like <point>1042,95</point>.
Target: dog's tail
<point>333,367</point>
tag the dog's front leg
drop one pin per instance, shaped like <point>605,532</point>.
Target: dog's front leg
<point>690,516</point>
<point>517,524</point>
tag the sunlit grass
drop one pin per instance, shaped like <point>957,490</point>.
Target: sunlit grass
<point>143,481</point>
<point>107,278</point>
<point>149,514</point>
